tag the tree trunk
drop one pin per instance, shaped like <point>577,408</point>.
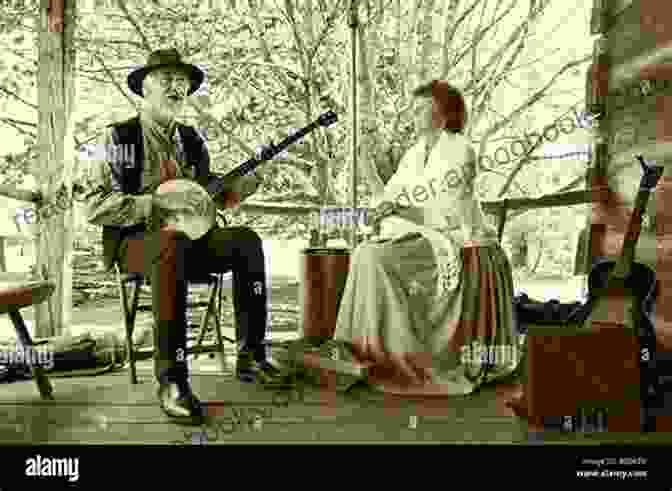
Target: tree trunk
<point>540,254</point>
<point>422,66</point>
<point>55,160</point>
<point>425,34</point>
<point>3,260</point>
<point>520,251</point>
<point>368,51</point>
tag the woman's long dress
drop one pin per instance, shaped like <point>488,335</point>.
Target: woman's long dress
<point>431,306</point>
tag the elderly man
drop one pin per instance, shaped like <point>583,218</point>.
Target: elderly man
<point>156,148</point>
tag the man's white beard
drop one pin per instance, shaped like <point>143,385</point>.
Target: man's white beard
<point>162,115</point>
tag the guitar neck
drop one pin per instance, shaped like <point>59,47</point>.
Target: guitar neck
<point>220,183</point>
<point>627,258</point>
<point>650,178</point>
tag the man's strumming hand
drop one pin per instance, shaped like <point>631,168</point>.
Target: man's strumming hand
<point>240,189</point>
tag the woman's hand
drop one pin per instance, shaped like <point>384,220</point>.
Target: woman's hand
<point>387,208</point>
<point>412,214</point>
<point>383,210</point>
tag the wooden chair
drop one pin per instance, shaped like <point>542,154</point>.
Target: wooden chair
<point>16,294</point>
<point>130,305</point>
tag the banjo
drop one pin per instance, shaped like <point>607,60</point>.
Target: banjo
<point>190,208</point>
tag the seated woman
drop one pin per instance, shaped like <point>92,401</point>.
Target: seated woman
<point>429,304</point>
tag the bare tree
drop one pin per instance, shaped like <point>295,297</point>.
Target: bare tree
<point>456,53</point>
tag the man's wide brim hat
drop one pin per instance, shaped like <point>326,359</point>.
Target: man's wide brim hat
<point>165,58</point>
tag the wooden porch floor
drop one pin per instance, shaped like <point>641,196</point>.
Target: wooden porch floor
<point>106,409</point>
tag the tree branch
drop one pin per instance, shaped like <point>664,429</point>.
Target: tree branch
<point>488,67</point>
<point>13,124</point>
<point>131,20</point>
<point>115,83</point>
<point>295,161</point>
<point>20,122</point>
<point>449,29</point>
<point>17,97</point>
<point>105,41</point>
<point>535,96</point>
<point>525,159</point>
<point>336,11</point>
<point>495,81</point>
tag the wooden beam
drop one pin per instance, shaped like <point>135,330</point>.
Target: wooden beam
<point>278,209</point>
<point>570,198</point>
<point>53,167</point>
<point>654,64</point>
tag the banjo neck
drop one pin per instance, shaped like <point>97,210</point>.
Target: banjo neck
<point>220,184</point>
<point>189,207</point>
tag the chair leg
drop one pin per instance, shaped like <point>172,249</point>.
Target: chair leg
<point>129,322</point>
<point>137,287</point>
<point>218,324</point>
<point>205,319</point>
<point>219,312</point>
<point>210,314</point>
<point>41,379</point>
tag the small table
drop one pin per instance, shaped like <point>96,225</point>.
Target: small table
<point>17,293</point>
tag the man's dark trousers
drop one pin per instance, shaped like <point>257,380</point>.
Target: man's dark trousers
<point>171,259</point>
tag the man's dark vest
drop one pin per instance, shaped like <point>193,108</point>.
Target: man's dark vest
<point>129,174</point>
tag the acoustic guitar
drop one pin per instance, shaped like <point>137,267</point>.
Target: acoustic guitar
<point>190,208</point>
<point>624,278</point>
<point>625,286</point>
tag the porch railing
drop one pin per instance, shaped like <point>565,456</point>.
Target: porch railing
<point>500,208</point>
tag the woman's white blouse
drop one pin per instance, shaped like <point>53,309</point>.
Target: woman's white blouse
<point>444,189</point>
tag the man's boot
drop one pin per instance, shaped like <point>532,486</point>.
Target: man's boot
<point>169,301</point>
<point>256,368</point>
<point>175,394</point>
<point>250,299</point>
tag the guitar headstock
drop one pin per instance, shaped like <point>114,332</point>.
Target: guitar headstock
<point>327,119</point>
<point>652,174</point>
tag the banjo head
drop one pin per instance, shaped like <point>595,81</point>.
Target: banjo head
<point>187,205</point>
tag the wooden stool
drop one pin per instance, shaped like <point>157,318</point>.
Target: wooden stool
<point>16,294</point>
